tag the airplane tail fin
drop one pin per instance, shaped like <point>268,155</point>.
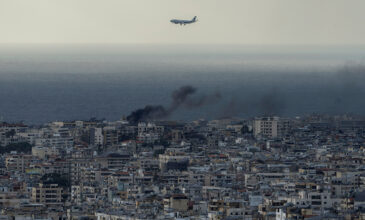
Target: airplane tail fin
<point>194,19</point>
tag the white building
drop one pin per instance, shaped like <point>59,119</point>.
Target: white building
<point>96,136</point>
<point>149,128</point>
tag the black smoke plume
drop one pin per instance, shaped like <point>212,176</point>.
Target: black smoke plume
<point>202,100</point>
<point>150,112</point>
<point>181,97</point>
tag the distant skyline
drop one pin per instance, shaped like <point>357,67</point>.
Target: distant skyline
<point>325,22</point>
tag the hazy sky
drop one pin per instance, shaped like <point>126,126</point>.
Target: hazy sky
<point>147,21</point>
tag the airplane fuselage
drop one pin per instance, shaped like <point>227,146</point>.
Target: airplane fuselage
<point>183,22</point>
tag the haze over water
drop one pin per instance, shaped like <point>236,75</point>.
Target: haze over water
<point>42,83</point>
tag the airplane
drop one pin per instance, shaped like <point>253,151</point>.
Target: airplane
<point>183,22</point>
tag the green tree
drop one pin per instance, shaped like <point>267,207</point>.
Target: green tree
<point>158,152</point>
<point>23,147</point>
<point>245,130</point>
<point>10,133</point>
<point>55,178</point>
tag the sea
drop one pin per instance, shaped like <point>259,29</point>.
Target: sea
<point>43,83</point>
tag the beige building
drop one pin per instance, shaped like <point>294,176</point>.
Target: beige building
<point>43,152</point>
<point>12,199</point>
<point>47,194</point>
<point>179,202</point>
<point>18,162</point>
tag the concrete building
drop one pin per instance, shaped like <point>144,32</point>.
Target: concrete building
<point>110,136</point>
<point>43,152</point>
<point>96,136</point>
<point>270,127</point>
<point>18,162</point>
<point>47,194</point>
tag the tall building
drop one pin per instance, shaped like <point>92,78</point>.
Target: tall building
<point>270,127</point>
<point>96,136</point>
<point>110,136</point>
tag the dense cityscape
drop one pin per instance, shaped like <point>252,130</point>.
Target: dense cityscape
<point>182,110</point>
<point>307,167</point>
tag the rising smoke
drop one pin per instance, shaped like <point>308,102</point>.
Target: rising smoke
<point>182,97</point>
<point>335,91</point>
